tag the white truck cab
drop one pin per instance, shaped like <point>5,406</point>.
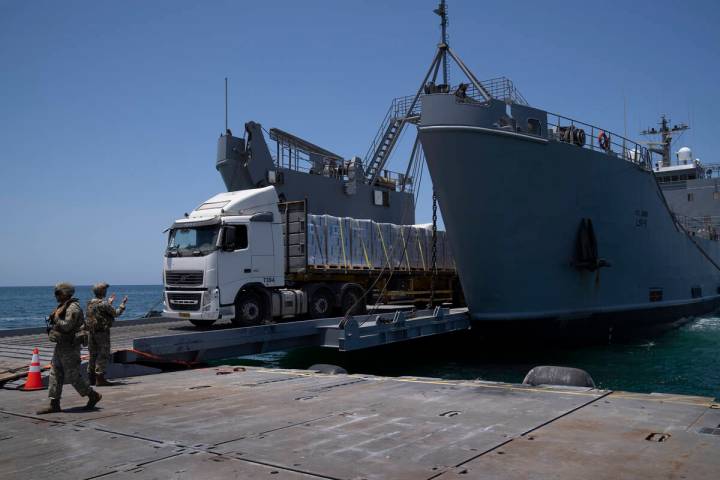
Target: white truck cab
<point>231,242</point>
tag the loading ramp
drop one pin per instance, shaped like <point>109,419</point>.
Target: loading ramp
<point>354,333</point>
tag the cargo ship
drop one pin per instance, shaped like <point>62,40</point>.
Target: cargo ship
<point>555,221</point>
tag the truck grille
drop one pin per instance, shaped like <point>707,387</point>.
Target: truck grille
<point>184,301</point>
<point>184,278</point>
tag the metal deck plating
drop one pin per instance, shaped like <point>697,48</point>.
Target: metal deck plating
<point>253,423</point>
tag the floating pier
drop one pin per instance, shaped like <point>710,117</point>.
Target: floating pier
<point>245,422</point>
<point>163,340</point>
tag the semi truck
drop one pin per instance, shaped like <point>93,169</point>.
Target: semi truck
<point>246,257</point>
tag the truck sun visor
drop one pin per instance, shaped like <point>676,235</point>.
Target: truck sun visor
<point>196,223</point>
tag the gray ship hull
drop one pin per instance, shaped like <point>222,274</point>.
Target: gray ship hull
<point>512,204</point>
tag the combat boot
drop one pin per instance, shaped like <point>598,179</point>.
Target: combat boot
<point>100,381</point>
<point>54,407</point>
<point>91,378</point>
<point>93,398</point>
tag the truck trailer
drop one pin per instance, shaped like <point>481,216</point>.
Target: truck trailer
<point>247,257</point>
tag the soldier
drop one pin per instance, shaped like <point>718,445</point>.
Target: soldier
<point>100,315</point>
<point>64,324</point>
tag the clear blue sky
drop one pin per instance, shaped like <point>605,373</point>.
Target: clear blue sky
<point>110,111</point>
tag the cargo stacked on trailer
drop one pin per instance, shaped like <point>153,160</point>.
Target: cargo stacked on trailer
<point>246,257</point>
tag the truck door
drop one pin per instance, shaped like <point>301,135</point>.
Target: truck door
<point>263,254</point>
<point>234,262</point>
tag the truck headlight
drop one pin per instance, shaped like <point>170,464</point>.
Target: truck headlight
<point>209,299</point>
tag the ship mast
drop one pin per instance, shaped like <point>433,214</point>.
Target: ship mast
<point>666,134</point>
<point>442,12</point>
<point>398,118</point>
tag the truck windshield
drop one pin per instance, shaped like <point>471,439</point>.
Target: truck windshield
<point>192,241</point>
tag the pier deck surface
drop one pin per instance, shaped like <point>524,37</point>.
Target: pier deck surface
<point>16,345</point>
<point>235,422</point>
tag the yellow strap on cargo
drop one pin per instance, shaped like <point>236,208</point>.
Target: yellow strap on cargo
<point>382,242</point>
<point>342,244</point>
<point>405,252</point>
<point>362,242</point>
<point>422,257</point>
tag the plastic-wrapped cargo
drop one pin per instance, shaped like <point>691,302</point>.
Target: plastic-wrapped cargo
<point>334,251</point>
<point>317,240</point>
<point>358,243</point>
<point>383,245</point>
<point>346,236</point>
<point>398,256</point>
<point>361,244</point>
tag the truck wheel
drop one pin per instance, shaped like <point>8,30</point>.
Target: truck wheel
<point>320,304</point>
<point>248,310</point>
<point>202,323</point>
<point>353,299</point>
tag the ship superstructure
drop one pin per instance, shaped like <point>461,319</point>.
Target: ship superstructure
<point>691,187</point>
<point>300,170</point>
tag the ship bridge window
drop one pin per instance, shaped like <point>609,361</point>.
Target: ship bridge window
<point>534,127</point>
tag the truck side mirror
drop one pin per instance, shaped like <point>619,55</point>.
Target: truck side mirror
<point>229,239</point>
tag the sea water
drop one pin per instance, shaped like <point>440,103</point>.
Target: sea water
<point>685,360</point>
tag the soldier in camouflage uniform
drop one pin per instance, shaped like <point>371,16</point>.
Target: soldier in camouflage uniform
<point>65,323</point>
<point>100,315</point>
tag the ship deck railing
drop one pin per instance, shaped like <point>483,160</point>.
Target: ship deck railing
<point>707,227</point>
<point>501,88</point>
<point>711,170</point>
<point>299,162</point>
<point>618,146</point>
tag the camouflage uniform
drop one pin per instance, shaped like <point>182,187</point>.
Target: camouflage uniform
<point>100,317</point>
<point>68,320</point>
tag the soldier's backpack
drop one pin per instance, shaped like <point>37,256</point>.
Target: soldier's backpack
<point>98,319</point>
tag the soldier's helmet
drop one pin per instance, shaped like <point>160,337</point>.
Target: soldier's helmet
<point>99,288</point>
<point>65,288</point>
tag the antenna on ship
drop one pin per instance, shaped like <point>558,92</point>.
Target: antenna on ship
<point>442,12</point>
<point>403,111</point>
<point>226,107</point>
<point>666,133</point>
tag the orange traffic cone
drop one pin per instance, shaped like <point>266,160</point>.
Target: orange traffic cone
<point>34,380</point>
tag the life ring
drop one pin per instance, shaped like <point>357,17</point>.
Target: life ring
<point>604,141</point>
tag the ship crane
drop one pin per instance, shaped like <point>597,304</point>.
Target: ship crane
<point>406,110</point>
<point>403,111</point>
<point>666,133</point>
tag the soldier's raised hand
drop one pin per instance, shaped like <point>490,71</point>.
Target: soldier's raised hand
<point>111,299</point>
<point>124,300</point>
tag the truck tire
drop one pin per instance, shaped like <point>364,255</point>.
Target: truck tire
<point>202,323</point>
<point>352,298</point>
<point>321,304</point>
<point>249,310</point>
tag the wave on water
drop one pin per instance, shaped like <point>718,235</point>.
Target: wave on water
<point>705,324</point>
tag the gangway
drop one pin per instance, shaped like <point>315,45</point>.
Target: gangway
<point>344,334</point>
